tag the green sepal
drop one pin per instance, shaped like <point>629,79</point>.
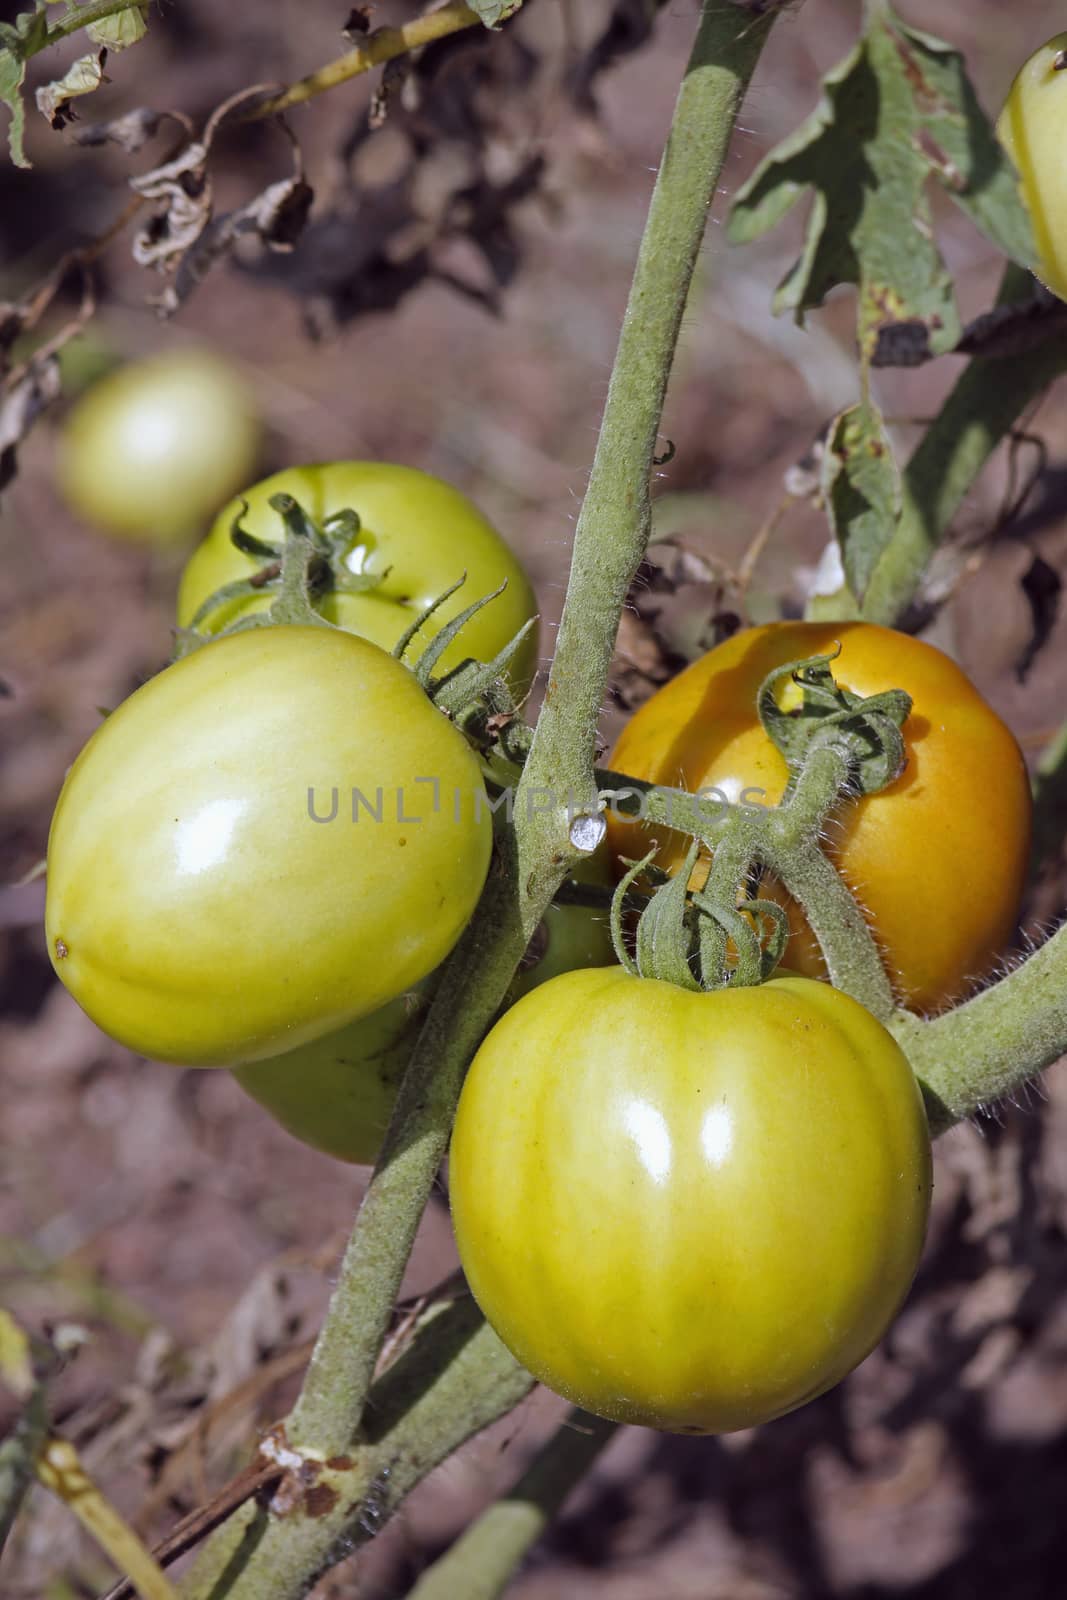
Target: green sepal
<point>869,726</point>
<point>665,930</point>
<point>424,667</point>
<point>297,521</point>
<point>476,692</point>
<point>238,589</point>
<point>247,542</point>
<point>400,649</point>
<point>757,956</point>
<point>619,904</point>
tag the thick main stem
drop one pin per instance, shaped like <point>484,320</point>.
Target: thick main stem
<point>610,540</point>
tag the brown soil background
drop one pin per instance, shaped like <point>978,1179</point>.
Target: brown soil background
<point>195,1240</point>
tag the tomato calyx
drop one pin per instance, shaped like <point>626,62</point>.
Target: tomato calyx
<point>713,937</point>
<point>310,561</point>
<point>315,559</point>
<point>819,712</point>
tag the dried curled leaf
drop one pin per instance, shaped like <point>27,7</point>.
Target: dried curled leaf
<point>185,238</point>
<point>130,132</point>
<point>85,75</point>
<point>276,217</point>
<point>21,403</point>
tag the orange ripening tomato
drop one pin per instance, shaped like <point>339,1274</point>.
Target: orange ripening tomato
<point>937,860</point>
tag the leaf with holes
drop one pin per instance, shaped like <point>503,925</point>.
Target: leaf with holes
<point>896,111</point>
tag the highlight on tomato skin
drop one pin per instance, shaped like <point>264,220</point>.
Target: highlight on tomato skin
<point>1032,127</point>
<point>418,537</point>
<point>151,450</point>
<point>199,909</point>
<point>689,1211</point>
<point>937,860</point>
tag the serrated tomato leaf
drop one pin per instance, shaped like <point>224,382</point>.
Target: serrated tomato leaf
<point>898,110</point>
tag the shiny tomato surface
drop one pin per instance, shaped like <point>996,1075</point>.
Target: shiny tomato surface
<point>686,1210</point>
<point>273,837</point>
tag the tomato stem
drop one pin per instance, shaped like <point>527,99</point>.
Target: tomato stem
<point>485,1557</point>
<point>535,850</point>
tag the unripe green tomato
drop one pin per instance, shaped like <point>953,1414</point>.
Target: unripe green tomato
<point>216,892</point>
<point>153,449</point>
<point>336,1094</point>
<point>684,1210</point>
<point>1033,130</point>
<point>418,533</point>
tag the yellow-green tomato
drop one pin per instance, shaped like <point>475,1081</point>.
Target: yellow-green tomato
<point>1033,129</point>
<point>336,1094</point>
<point>275,836</point>
<point>153,449</point>
<point>418,537</point>
<point>685,1210</point>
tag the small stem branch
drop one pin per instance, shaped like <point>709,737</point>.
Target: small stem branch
<point>994,1044</point>
<point>848,948</point>
<point>986,402</point>
<point>385,44</point>
<point>85,16</point>
<point>18,1458</point>
<point>481,1563</point>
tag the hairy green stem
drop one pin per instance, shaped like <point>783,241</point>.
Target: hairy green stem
<point>993,1045</point>
<point>985,404</point>
<point>453,1381</point>
<point>480,1565</point>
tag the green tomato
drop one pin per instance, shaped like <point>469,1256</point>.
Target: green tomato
<point>684,1210</point>
<point>418,538</point>
<point>243,857</point>
<point>336,1094</point>
<point>1033,130</point>
<point>153,449</point>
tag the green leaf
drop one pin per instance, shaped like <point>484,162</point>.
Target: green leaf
<point>896,111</point>
<point>19,40</point>
<point>494,12</point>
<point>861,490</point>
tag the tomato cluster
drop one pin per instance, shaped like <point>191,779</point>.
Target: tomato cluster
<point>690,1209</point>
